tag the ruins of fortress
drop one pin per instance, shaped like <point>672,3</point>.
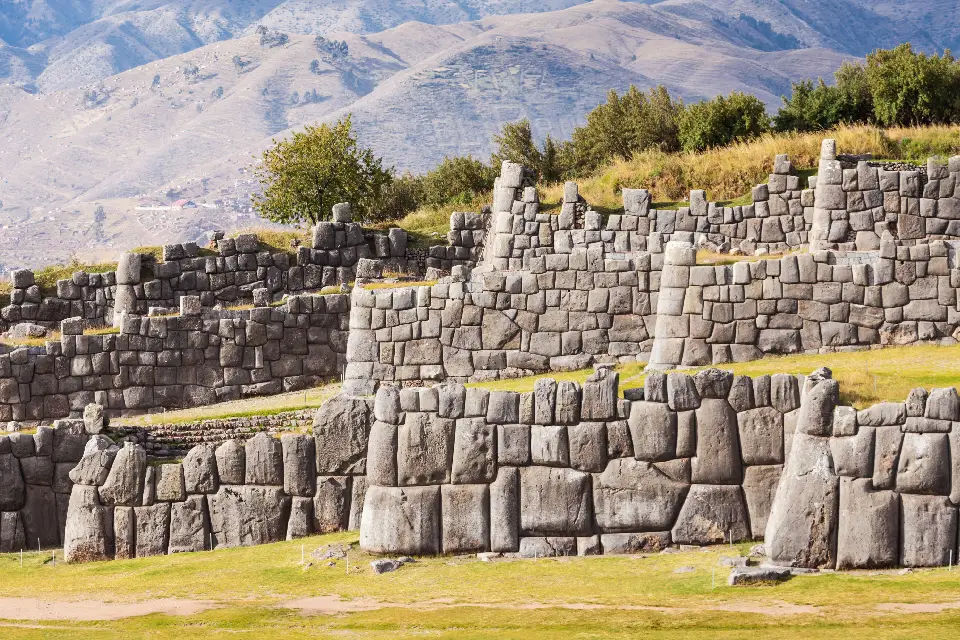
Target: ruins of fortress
<point>863,256</point>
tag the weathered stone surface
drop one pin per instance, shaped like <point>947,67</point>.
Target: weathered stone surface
<point>465,524</point>
<point>505,511</point>
<point>682,392</point>
<point>69,440</point>
<point>653,430</point>
<point>600,395</point>
<point>189,525</point>
<point>759,489</point>
<point>712,514</point>
<point>549,445</point>
<point>631,495</point>
<point>424,449</point>
<point>802,527</point>
<point>741,576</point>
<point>12,487</point>
<point>513,444</point>
<point>124,484</point>
<point>264,460</point>
<point>231,462</point>
<point>170,485</point>
<point>943,404</point>
<point>761,436</point>
<point>341,427</point>
<point>718,446</point>
<point>869,526</point>
<point>331,505</point>
<point>37,470</point>
<point>299,464</point>
<point>548,547</point>
<point>882,414</point>
<point>928,531</point>
<point>588,446</point>
<point>474,452</point>
<point>386,405</point>
<point>630,543</point>
<point>95,464</point>
<point>924,464</point>
<point>12,538</point>
<point>853,455</point>
<point>817,408</point>
<point>153,529</point>
<point>88,536</point>
<point>248,515</point>
<point>555,501</point>
<point>886,457</point>
<point>401,520</point>
<point>124,533</point>
<point>713,383</point>
<point>382,455</point>
<point>200,470</point>
<point>300,523</point>
<point>358,491</point>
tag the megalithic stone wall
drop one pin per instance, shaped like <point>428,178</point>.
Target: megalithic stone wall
<point>567,469</point>
<point>869,489</point>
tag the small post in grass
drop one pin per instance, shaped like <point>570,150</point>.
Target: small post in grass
<point>38,545</point>
<point>301,555</point>
<point>21,558</point>
<point>950,565</point>
<point>713,579</point>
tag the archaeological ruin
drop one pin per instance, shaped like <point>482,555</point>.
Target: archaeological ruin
<point>423,461</point>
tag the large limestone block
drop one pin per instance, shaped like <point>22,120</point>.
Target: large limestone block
<point>802,527</point>
<point>300,523</point>
<point>817,409</point>
<point>341,427</point>
<point>718,444</point>
<point>548,547</point>
<point>600,395</point>
<point>549,445</point>
<point>928,531</point>
<point>200,470</point>
<point>588,446</point>
<point>632,495</point>
<point>943,404</point>
<point>12,538</point>
<point>761,436</point>
<point>358,492</point>
<point>331,505</point>
<point>474,452</point>
<point>248,515</point>
<point>424,449</point>
<point>886,456</point>
<point>631,543</point>
<point>189,525</point>
<point>170,486</point>
<point>69,440</point>
<point>759,488</point>
<point>231,462</point>
<point>924,465</point>
<point>88,535</point>
<point>13,492</point>
<point>382,455</point>
<point>712,514</point>
<point>264,460</point>
<point>124,533</point>
<point>299,464</point>
<point>653,430</point>
<point>153,529</point>
<point>869,526</point>
<point>401,520</point>
<point>124,484</point>
<point>682,394</point>
<point>95,464</point>
<point>465,523</point>
<point>555,502</point>
<point>505,511</point>
<point>853,455</point>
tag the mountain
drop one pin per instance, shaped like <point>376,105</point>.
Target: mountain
<point>207,93</point>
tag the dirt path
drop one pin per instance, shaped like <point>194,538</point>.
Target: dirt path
<point>95,610</point>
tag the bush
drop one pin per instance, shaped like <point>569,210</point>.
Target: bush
<point>716,123</point>
<point>912,88</point>
<point>459,180</point>
<point>822,106</point>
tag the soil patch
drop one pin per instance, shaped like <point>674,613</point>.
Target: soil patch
<point>96,610</point>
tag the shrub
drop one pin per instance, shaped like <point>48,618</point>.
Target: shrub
<point>722,121</point>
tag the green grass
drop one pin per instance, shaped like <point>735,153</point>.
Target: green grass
<point>604,597</point>
<point>428,226</point>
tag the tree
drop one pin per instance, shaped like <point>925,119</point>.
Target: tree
<point>459,180</point>
<point>304,176</point>
<point>822,106</point>
<point>515,144</point>
<point>912,88</point>
<point>722,121</point>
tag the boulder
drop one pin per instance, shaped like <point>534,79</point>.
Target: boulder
<point>341,427</point>
<point>548,547</point>
<point>248,515</point>
<point>555,501</point>
<point>718,447</point>
<point>401,520</point>
<point>853,455</point>
<point>761,436</point>
<point>331,505</point>
<point>231,462</point>
<point>37,470</point>
<point>170,485</point>
<point>505,511</point>
<point>712,514</point>
<point>631,495</point>
<point>200,470</point>
<point>12,488</point>
<point>88,536</point>
<point>474,452</point>
<point>928,531</point>
<point>189,528</point>
<point>153,529</point>
<point>924,464</point>
<point>869,526</point>
<point>631,543</point>
<point>124,484</point>
<point>263,460</point>
<point>299,464</point>
<point>424,449</point>
<point>465,521</point>
<point>759,488</point>
<point>653,430</point>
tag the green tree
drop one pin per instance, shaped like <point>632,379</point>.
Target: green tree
<point>822,106</point>
<point>515,144</point>
<point>910,88</point>
<point>302,177</point>
<point>459,180</point>
<point>722,121</point>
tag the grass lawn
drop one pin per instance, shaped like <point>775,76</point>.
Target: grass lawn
<point>866,377</point>
<point>264,591</point>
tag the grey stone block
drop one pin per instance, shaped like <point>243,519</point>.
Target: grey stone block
<point>401,520</point>
<point>653,431</point>
<point>924,464</point>
<point>152,529</point>
<point>299,464</point>
<point>759,489</point>
<point>761,436</point>
<point>712,514</point>
<point>718,447</point>
<point>588,446</point>
<point>928,531</point>
<point>341,428</point>
<point>631,495</point>
<point>264,460</point>
<point>474,452</point>
<point>555,501</point>
<point>869,526</point>
<point>549,445</point>
<point>331,504</point>
<point>200,470</point>
<point>189,525</point>
<point>424,449</point>
<point>124,483</point>
<point>248,515</point>
<point>631,543</point>
<point>465,523</point>
<point>505,511</point>
<point>231,462</point>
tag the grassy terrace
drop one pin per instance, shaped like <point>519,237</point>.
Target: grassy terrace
<point>266,592</point>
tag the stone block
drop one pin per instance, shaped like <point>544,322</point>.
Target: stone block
<point>169,484</point>
<point>635,543</point>
<point>653,431</point>
<point>924,464</point>
<point>124,484</point>
<point>588,446</point>
<point>759,489</point>
<point>200,470</point>
<point>712,514</point>
<point>761,436</point>
<point>152,529</point>
<point>341,428</point>
<point>474,452</point>
<point>549,445</point>
<point>263,460</point>
<point>242,516</point>
<point>401,520</point>
<point>718,459</point>
<point>189,525</point>
<point>465,523</point>
<point>424,449</point>
<point>869,526</point>
<point>231,459</point>
<point>299,464</point>
<point>331,504</point>
<point>631,495</point>
<point>928,528</point>
<point>505,511</point>
<point>555,501</point>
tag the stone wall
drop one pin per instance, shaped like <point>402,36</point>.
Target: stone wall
<point>465,242</point>
<point>808,302</point>
<point>230,495</point>
<point>565,470</point>
<point>171,362</point>
<point>35,484</point>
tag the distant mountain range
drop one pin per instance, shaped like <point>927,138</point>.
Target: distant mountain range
<point>111,105</point>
